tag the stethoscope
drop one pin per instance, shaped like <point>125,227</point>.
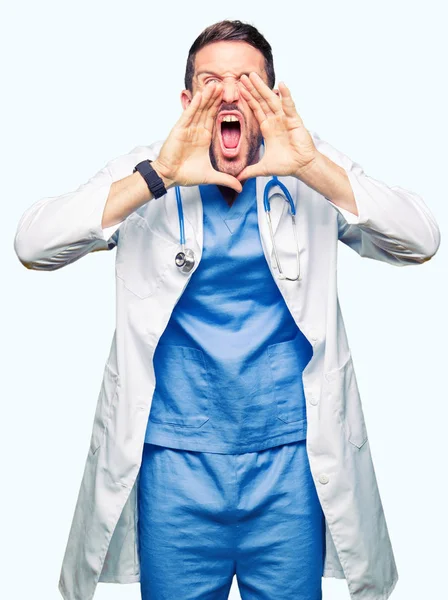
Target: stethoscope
<point>185,259</point>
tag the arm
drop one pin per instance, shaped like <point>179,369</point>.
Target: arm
<point>58,230</point>
<point>385,223</point>
<point>393,224</point>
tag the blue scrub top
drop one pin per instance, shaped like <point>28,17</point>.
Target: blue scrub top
<point>229,364</point>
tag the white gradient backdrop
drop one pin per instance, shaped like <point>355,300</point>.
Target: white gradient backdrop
<point>84,82</point>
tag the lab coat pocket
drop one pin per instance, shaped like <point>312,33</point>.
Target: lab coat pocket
<point>285,360</point>
<point>343,390</point>
<point>143,256</point>
<point>106,399</point>
<point>181,394</point>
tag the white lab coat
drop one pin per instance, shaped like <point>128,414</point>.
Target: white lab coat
<point>394,225</point>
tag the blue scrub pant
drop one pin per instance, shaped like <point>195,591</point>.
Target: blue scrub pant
<point>205,517</point>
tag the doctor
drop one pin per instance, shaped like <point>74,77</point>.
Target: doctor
<point>229,437</point>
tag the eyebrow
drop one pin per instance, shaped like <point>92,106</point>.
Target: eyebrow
<point>217,75</point>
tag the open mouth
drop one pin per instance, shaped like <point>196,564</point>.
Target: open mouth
<point>230,134</point>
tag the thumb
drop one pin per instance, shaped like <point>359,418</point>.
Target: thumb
<point>248,172</point>
<point>228,181</point>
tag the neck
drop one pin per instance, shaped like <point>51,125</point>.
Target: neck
<point>229,194</point>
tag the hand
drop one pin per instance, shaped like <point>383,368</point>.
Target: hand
<point>289,148</point>
<point>184,158</point>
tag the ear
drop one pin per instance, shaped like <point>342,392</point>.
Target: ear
<point>186,97</point>
<point>277,92</point>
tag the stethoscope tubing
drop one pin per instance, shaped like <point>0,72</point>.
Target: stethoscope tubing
<point>185,258</point>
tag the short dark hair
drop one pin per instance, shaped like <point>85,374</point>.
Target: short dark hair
<point>230,31</point>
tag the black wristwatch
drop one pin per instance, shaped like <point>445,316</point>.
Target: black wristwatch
<point>153,181</point>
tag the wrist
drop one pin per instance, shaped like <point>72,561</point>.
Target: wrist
<point>162,173</point>
<point>331,181</point>
<point>312,169</point>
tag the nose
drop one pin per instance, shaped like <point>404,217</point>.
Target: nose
<point>231,93</point>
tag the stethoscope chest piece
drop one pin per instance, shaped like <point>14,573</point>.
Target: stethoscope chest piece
<point>185,260</point>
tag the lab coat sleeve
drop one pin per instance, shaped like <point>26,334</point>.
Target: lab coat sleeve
<point>393,224</point>
<point>58,230</point>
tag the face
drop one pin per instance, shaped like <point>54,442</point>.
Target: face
<point>236,136</point>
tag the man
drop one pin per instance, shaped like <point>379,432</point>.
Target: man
<point>229,437</point>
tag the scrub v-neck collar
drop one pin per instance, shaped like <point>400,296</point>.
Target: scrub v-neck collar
<point>231,215</point>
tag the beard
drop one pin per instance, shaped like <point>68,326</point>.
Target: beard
<point>236,165</point>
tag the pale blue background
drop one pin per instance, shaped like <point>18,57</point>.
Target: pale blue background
<point>83,82</point>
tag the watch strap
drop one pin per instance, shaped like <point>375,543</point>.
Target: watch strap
<point>153,181</point>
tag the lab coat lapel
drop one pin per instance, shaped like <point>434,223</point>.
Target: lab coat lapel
<point>193,217</point>
<point>281,226</point>
<point>278,203</point>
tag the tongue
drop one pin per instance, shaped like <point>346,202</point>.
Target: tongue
<point>230,136</point>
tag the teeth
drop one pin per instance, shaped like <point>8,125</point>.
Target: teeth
<point>230,119</point>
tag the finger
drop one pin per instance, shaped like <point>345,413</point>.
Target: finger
<point>214,98</point>
<point>271,99</point>
<point>229,181</point>
<point>259,113</point>
<point>218,178</point>
<point>249,86</point>
<point>289,108</point>
<point>187,116</point>
<point>210,120</point>
<point>249,172</point>
<point>207,94</point>
<point>211,111</point>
